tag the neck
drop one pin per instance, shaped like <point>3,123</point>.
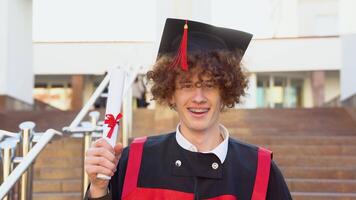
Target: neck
<point>205,140</point>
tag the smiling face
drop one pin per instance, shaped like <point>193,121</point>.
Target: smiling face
<point>198,104</point>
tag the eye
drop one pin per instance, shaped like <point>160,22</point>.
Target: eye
<point>209,84</point>
<point>186,85</point>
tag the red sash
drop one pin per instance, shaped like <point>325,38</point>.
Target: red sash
<point>131,191</point>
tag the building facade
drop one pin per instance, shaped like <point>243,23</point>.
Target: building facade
<point>299,56</point>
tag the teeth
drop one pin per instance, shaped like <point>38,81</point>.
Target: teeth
<point>199,110</point>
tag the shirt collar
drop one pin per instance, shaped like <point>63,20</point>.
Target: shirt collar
<point>220,151</point>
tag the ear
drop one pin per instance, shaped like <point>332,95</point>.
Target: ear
<point>222,105</point>
<point>172,103</point>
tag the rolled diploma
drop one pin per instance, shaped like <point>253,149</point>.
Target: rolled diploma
<point>113,106</point>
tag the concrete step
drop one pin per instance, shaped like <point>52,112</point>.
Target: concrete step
<point>285,124</point>
<point>319,172</point>
<point>299,114</point>
<point>66,142</point>
<point>290,139</point>
<point>65,162</point>
<point>277,131</point>
<point>57,185</point>
<point>291,113</point>
<point>334,121</point>
<point>315,161</point>
<point>57,196</point>
<point>70,151</point>
<point>313,150</point>
<point>321,185</point>
<point>70,172</point>
<point>323,196</point>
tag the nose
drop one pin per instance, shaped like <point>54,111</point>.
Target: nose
<point>198,96</point>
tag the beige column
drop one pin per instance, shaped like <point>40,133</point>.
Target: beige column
<point>270,92</point>
<point>77,91</point>
<point>318,85</point>
<point>2,103</point>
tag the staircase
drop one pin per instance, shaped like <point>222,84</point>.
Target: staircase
<point>58,171</point>
<point>314,148</point>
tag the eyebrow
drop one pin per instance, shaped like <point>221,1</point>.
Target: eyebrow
<point>210,80</point>
<point>185,81</point>
<point>204,81</point>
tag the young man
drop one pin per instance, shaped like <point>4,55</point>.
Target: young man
<point>198,74</point>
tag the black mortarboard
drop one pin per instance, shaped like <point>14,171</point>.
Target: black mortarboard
<point>182,36</point>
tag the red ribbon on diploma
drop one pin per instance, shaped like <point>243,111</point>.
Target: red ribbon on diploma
<point>111,121</point>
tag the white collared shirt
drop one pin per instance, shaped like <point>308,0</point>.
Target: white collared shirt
<point>220,151</point>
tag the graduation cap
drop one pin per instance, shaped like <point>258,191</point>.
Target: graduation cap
<point>184,36</point>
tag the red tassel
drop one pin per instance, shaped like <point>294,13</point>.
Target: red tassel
<point>181,57</point>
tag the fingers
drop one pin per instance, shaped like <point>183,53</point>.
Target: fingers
<point>102,158</point>
<point>102,162</point>
<point>101,152</point>
<point>103,143</point>
<point>118,148</point>
<point>93,170</point>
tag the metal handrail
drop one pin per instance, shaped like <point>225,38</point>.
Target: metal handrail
<point>8,146</point>
<point>90,102</point>
<point>4,134</point>
<point>92,129</point>
<point>27,136</point>
<point>97,93</point>
<point>26,162</point>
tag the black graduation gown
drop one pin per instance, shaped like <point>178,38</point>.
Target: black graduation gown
<point>195,175</point>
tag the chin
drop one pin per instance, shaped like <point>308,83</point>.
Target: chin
<point>199,127</point>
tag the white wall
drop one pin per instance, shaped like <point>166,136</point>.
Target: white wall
<point>294,54</point>
<point>285,18</point>
<point>16,49</point>
<point>263,18</point>
<point>318,17</point>
<point>348,71</point>
<point>262,56</point>
<point>3,44</point>
<point>348,39</point>
<point>250,16</point>
<point>201,10</point>
<point>347,14</point>
<point>135,20</point>
<point>105,20</point>
<point>92,57</point>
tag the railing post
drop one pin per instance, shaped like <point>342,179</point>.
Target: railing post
<point>26,161</point>
<point>26,134</point>
<point>94,117</point>
<point>7,153</point>
<point>126,127</point>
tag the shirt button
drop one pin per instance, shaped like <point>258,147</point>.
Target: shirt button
<point>215,165</point>
<point>178,163</point>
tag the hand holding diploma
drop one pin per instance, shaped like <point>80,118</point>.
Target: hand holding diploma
<point>102,158</point>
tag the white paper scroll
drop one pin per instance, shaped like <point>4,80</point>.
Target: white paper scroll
<point>113,107</point>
